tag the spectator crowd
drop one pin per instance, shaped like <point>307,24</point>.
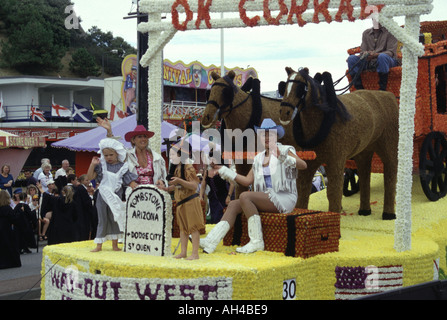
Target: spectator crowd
<point>55,209</point>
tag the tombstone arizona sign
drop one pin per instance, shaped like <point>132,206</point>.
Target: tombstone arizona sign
<point>148,222</point>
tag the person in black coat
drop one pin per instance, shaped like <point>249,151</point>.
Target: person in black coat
<point>26,224</point>
<point>62,226</point>
<point>84,209</point>
<point>9,247</point>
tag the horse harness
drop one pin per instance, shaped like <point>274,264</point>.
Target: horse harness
<point>228,97</point>
<point>302,90</point>
<point>328,119</point>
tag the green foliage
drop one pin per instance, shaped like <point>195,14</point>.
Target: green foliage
<point>108,50</point>
<point>84,64</point>
<point>38,39</point>
<point>31,49</point>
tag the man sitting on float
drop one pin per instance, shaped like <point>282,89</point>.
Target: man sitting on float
<point>378,51</point>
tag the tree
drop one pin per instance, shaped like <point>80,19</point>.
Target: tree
<point>102,44</point>
<point>30,49</point>
<point>83,64</point>
<point>37,37</point>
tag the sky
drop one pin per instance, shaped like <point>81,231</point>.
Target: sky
<point>268,49</point>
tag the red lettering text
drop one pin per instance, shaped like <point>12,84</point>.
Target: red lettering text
<point>323,9</point>
<point>175,15</point>
<point>268,15</point>
<point>204,13</point>
<point>298,11</point>
<point>345,7</point>
<point>251,22</point>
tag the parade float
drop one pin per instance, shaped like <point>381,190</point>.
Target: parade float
<point>340,256</point>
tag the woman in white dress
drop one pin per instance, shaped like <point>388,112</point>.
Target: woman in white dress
<point>273,180</point>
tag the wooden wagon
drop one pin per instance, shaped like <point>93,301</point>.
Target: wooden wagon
<point>430,145</point>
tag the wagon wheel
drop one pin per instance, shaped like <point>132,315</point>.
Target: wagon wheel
<point>350,183</point>
<point>432,166</point>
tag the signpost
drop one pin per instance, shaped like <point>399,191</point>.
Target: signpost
<point>148,222</point>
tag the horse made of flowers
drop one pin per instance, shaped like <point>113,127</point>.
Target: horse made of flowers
<point>339,128</point>
<point>241,108</point>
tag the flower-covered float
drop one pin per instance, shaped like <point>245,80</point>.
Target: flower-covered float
<point>373,255</point>
<point>365,263</point>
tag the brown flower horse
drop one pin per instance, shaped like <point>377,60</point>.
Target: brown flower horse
<point>239,109</point>
<point>350,126</point>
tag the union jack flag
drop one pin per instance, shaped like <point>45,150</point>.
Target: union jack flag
<point>356,282</point>
<point>37,114</point>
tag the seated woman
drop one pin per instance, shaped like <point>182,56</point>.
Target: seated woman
<point>273,178</point>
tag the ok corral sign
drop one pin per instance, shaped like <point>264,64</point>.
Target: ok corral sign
<point>148,222</point>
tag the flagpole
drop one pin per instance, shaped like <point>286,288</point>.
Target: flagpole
<point>222,51</point>
<point>142,73</point>
<point>2,110</point>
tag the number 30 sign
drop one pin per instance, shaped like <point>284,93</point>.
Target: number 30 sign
<point>289,289</point>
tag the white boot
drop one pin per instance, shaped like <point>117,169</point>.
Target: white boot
<point>210,242</point>
<point>255,233</point>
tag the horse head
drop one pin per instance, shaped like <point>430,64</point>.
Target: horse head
<point>313,97</point>
<point>219,98</point>
<point>296,94</point>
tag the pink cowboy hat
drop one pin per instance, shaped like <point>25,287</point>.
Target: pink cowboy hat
<point>139,130</point>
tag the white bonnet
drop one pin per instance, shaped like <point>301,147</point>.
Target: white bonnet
<point>109,143</point>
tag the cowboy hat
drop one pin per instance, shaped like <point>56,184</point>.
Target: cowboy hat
<point>269,124</point>
<point>139,130</point>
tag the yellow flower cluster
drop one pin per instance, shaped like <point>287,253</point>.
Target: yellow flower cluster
<point>250,280</point>
<point>365,241</point>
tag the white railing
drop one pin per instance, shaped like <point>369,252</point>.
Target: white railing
<point>182,109</point>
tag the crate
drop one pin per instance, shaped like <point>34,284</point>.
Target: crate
<point>302,233</point>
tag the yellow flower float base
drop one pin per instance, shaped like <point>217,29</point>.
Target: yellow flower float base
<point>366,263</point>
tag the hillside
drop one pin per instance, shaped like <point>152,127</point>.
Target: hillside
<point>64,72</point>
<point>35,41</point>
<point>6,72</point>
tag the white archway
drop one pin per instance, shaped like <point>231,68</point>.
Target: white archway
<point>195,14</point>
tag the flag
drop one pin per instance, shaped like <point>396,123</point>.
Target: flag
<point>81,114</point>
<point>2,111</point>
<point>97,111</point>
<point>59,111</point>
<point>36,114</point>
<point>116,113</point>
<point>356,282</point>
